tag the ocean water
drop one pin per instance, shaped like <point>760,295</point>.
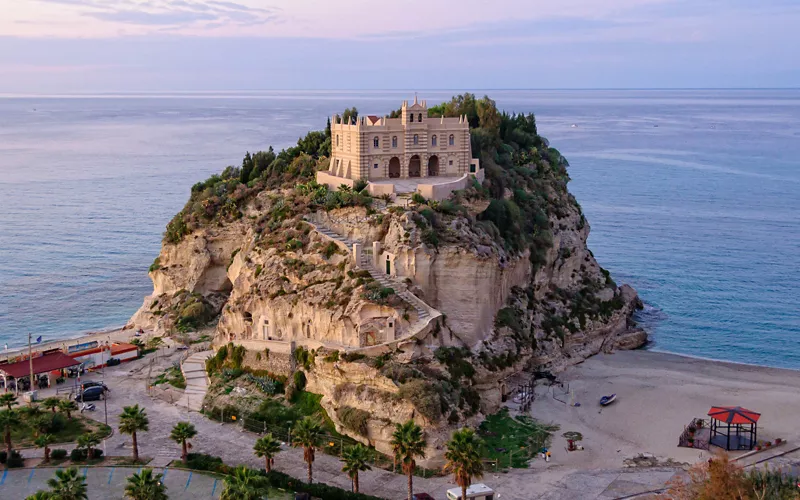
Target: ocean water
<point>693,198</point>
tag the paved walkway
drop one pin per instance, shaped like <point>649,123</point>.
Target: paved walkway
<point>194,371</point>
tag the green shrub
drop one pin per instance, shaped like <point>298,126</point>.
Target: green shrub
<point>509,317</point>
<point>201,461</point>
<point>359,185</point>
<point>78,455</point>
<point>155,266</point>
<point>353,419</point>
<point>316,490</point>
<point>299,380</point>
<point>273,413</point>
<point>330,249</point>
<point>424,396</point>
<point>418,198</point>
<point>58,454</point>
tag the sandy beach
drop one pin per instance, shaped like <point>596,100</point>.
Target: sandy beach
<point>657,395</point>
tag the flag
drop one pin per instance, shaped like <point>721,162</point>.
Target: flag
<point>38,339</point>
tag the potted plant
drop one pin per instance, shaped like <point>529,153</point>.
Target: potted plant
<point>758,447</point>
<point>768,444</point>
<point>778,441</point>
<point>691,441</point>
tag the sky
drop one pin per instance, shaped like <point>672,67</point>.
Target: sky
<point>77,46</point>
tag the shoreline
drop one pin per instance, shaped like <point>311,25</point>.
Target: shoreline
<point>119,334</point>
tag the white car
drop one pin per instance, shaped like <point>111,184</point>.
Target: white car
<point>477,491</point>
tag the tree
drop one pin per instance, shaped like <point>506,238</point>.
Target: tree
<point>244,484</point>
<point>51,403</point>
<point>7,399</point>
<point>67,406</point>
<point>267,447</point>
<point>306,434</point>
<point>44,441</point>
<point>132,420</point>
<point>146,486</point>
<point>355,460</point>
<point>464,458</point>
<point>88,442</point>
<point>68,484</point>
<point>181,433</point>
<point>40,495</point>
<point>408,444</point>
<point>9,419</point>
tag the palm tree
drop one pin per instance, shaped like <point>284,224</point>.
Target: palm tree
<point>7,399</point>
<point>88,442</point>
<point>132,420</point>
<point>464,458</point>
<point>8,420</point>
<point>355,460</point>
<point>182,432</point>
<point>31,412</point>
<point>306,434</point>
<point>408,444</point>
<point>51,403</point>
<point>244,484</point>
<point>67,406</point>
<point>267,447</point>
<point>146,486</point>
<point>40,495</point>
<point>44,441</point>
<point>68,484</point>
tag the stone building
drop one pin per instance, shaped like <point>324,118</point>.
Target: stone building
<point>375,148</point>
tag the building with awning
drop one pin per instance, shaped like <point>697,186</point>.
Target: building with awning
<point>41,364</point>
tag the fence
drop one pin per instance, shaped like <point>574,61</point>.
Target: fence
<point>328,443</point>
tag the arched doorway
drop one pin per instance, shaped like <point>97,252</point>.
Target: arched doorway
<point>394,167</point>
<point>414,167</point>
<point>433,166</point>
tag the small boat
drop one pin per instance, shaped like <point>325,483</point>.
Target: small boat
<point>607,400</point>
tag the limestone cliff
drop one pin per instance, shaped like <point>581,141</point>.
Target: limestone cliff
<point>432,311</point>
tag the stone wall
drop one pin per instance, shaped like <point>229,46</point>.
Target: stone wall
<point>278,363</point>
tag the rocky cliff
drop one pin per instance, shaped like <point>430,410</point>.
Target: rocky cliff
<point>450,305</point>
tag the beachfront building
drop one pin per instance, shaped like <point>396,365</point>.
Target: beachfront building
<point>413,146</point>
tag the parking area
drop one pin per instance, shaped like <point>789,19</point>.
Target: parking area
<point>109,482</point>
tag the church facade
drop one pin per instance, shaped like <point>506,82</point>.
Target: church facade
<point>375,148</point>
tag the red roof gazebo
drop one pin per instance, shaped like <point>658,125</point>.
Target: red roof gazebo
<point>740,423</point>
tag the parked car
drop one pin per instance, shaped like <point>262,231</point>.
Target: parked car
<point>91,394</point>
<point>421,496</point>
<point>477,491</point>
<point>86,385</point>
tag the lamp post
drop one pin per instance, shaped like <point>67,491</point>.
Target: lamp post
<point>30,363</point>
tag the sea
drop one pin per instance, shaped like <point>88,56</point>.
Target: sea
<point>693,197</point>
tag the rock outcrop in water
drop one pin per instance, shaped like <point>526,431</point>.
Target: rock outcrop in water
<point>483,289</point>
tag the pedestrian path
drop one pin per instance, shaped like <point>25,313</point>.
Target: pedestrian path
<point>194,371</point>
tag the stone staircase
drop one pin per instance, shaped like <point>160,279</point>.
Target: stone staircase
<point>424,311</point>
<point>194,371</point>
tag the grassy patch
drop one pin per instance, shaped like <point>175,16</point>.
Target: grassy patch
<point>22,436</point>
<point>172,376</point>
<point>512,441</point>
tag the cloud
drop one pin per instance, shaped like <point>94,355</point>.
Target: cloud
<point>153,18</point>
<point>171,13</point>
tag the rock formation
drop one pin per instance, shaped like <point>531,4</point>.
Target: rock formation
<point>477,297</point>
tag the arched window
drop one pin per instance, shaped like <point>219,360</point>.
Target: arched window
<point>416,139</point>
<point>394,141</point>
<point>411,117</point>
<point>419,118</point>
<point>433,140</point>
<point>452,140</point>
<point>375,142</point>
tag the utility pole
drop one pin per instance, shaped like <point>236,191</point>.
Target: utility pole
<point>30,363</point>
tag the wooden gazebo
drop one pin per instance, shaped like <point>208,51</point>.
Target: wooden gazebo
<point>733,427</point>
